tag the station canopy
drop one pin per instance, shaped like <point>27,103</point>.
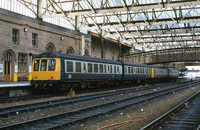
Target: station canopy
<point>151,24</point>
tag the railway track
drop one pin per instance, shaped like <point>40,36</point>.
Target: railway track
<point>68,119</point>
<point>13,110</point>
<point>185,116</point>
<point>4,100</point>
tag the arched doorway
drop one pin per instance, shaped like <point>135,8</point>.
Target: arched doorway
<point>8,57</point>
<point>70,50</point>
<point>50,47</point>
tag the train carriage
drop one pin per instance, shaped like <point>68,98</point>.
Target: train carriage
<point>135,70</point>
<point>50,68</point>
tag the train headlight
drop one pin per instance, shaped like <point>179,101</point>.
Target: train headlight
<point>35,76</point>
<point>51,76</point>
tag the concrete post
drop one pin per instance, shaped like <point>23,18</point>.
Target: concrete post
<point>102,45</point>
<point>39,9</point>
<point>120,48</point>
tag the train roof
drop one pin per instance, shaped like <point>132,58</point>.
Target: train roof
<point>144,65</point>
<point>75,57</point>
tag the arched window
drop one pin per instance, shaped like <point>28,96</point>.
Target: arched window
<point>70,50</point>
<point>87,53</point>
<point>50,47</point>
<point>8,56</point>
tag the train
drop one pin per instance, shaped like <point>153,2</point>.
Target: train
<point>55,70</point>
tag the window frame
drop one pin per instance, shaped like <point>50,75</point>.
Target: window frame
<point>15,36</point>
<point>34,40</point>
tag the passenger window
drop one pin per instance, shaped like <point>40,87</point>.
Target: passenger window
<point>52,64</point>
<point>78,67</point>
<point>36,65</point>
<point>105,68</point>
<point>43,65</point>
<point>70,66</point>
<point>111,71</point>
<point>125,70</point>
<point>90,67</point>
<point>84,67</point>
<point>108,68</point>
<point>101,68</point>
<point>96,68</point>
<point>129,70</point>
<point>115,70</point>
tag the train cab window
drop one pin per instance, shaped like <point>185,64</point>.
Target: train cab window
<point>43,65</point>
<point>52,65</point>
<point>90,67</point>
<point>36,65</point>
<point>101,68</point>
<point>70,66</point>
<point>78,66</point>
<point>96,68</point>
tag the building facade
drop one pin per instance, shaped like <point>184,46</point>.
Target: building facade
<point>23,37</point>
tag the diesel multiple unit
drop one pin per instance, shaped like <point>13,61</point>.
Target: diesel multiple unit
<point>68,70</point>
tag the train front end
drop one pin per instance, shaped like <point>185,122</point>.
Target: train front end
<point>45,72</point>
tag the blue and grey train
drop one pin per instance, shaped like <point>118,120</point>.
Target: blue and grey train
<point>68,70</point>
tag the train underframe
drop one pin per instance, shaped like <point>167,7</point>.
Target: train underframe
<point>63,85</point>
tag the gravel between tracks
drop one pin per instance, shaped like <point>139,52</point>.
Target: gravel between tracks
<point>151,111</point>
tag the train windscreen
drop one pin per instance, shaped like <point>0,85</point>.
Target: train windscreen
<point>36,65</point>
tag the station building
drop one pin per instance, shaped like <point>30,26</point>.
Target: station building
<point>23,37</point>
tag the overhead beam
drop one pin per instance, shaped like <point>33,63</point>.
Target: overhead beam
<point>140,24</point>
<point>122,9</point>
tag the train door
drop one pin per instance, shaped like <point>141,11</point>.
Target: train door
<point>7,69</point>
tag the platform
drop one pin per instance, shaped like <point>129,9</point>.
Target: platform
<point>14,84</point>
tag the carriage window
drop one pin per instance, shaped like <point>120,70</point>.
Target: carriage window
<point>105,68</point>
<point>101,68</point>
<point>115,70</point>
<point>132,71</point>
<point>125,70</point>
<point>36,65</point>
<point>84,66</point>
<point>96,68</point>
<point>70,66</point>
<point>90,67</point>
<point>108,68</point>
<point>52,64</point>
<point>129,70</point>
<point>111,69</point>
<point>43,65</point>
<point>78,67</point>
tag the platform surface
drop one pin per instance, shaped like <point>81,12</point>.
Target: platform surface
<point>14,84</point>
